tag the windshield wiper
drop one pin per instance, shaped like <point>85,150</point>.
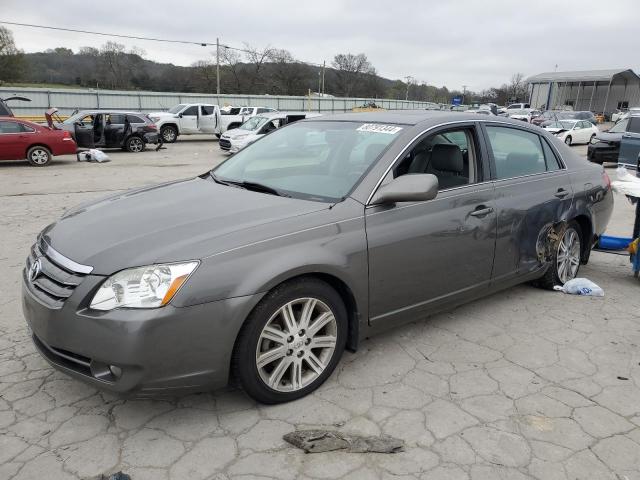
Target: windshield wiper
<point>216,179</point>
<point>259,187</point>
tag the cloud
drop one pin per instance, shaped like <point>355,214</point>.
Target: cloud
<point>453,43</point>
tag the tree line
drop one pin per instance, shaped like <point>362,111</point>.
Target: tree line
<point>249,70</point>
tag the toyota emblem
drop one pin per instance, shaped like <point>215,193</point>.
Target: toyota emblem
<point>35,269</point>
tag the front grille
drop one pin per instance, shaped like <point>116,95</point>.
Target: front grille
<point>54,283</point>
<point>225,144</point>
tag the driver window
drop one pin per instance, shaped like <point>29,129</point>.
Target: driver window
<point>191,111</point>
<point>450,155</point>
<point>86,120</point>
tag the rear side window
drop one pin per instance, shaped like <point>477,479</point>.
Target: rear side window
<point>634,125</point>
<point>135,119</point>
<point>550,157</point>
<point>115,119</point>
<point>207,109</point>
<point>13,127</point>
<point>517,152</point>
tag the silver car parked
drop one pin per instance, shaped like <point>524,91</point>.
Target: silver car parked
<point>319,234</point>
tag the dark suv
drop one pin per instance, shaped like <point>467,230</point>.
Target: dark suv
<point>621,143</point>
<point>130,131</point>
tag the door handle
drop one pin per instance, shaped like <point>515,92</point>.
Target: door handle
<point>561,193</point>
<point>481,211</point>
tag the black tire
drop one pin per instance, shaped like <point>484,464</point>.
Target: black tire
<point>245,355</point>
<point>39,156</point>
<point>552,275</point>
<point>135,144</point>
<point>568,140</point>
<point>169,134</point>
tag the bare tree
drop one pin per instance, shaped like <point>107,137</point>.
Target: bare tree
<point>517,87</point>
<point>287,75</point>
<point>231,58</point>
<point>11,59</point>
<point>256,59</point>
<point>349,71</point>
<point>205,73</point>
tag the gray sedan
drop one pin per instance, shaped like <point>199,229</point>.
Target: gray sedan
<point>268,267</point>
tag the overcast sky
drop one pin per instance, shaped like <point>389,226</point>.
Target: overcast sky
<point>478,43</point>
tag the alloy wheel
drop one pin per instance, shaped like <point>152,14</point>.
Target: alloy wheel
<point>568,258</point>
<point>296,344</point>
<point>39,156</point>
<point>168,135</point>
<point>135,145</point>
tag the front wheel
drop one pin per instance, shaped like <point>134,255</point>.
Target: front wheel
<point>39,156</point>
<point>134,144</point>
<point>566,259</point>
<point>291,342</point>
<point>567,140</point>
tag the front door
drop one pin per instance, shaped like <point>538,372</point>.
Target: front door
<point>533,193</point>
<point>423,255</point>
<point>189,120</point>
<point>83,131</point>
<point>630,144</point>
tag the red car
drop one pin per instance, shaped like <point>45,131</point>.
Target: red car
<point>20,139</point>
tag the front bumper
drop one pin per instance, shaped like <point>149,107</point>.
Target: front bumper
<point>143,351</point>
<point>603,152</point>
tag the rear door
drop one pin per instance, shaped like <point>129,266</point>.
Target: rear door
<point>189,120</point>
<point>426,254</point>
<point>532,193</point>
<point>114,129</point>
<point>208,119</point>
<point>12,140</point>
<point>630,144</point>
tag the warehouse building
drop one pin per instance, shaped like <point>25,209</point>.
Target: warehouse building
<point>599,91</point>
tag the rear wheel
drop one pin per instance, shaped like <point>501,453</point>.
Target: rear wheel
<point>169,133</point>
<point>291,342</point>
<point>566,259</point>
<point>39,156</point>
<point>567,140</point>
<point>134,144</point>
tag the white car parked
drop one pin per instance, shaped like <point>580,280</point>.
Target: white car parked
<point>258,126</point>
<point>187,119</point>
<point>573,131</point>
<point>233,117</point>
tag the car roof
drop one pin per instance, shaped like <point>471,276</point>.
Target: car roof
<point>86,112</point>
<point>413,117</point>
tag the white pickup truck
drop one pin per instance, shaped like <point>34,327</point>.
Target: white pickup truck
<point>188,119</point>
<point>233,117</point>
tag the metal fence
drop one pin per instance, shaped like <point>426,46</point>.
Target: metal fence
<point>68,100</point>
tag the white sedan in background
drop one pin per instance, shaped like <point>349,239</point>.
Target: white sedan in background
<point>573,131</point>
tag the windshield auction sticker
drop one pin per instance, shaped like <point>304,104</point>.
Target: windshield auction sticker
<point>378,128</point>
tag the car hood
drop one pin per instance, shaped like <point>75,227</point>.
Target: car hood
<point>237,133</point>
<point>609,137</point>
<point>182,220</point>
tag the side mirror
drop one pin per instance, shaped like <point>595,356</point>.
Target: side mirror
<point>179,115</point>
<point>417,187</point>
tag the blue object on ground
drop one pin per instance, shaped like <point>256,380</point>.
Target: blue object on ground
<point>606,242</point>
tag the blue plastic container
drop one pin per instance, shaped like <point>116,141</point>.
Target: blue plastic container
<point>606,242</point>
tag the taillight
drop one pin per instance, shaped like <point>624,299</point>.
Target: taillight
<point>66,134</point>
<point>151,128</point>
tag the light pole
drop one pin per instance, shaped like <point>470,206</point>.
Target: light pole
<point>409,78</point>
<point>218,66</point>
<point>464,92</point>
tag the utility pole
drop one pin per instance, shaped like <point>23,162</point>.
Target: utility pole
<point>464,92</point>
<point>324,65</point>
<point>218,66</point>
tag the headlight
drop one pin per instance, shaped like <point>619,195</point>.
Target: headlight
<point>143,287</point>
<point>155,119</point>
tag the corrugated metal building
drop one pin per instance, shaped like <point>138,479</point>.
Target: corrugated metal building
<point>595,90</point>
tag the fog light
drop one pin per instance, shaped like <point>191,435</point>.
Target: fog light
<point>115,371</point>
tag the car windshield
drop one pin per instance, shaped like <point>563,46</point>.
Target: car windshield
<point>567,125</point>
<point>254,123</point>
<point>320,160</point>
<point>177,108</point>
<point>620,127</point>
<point>75,118</point>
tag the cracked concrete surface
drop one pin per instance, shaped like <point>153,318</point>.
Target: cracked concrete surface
<point>520,385</point>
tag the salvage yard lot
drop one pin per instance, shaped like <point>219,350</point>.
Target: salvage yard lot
<point>523,384</point>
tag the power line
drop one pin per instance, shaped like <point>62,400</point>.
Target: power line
<point>134,37</point>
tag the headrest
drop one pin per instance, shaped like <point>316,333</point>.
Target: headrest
<point>447,157</point>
